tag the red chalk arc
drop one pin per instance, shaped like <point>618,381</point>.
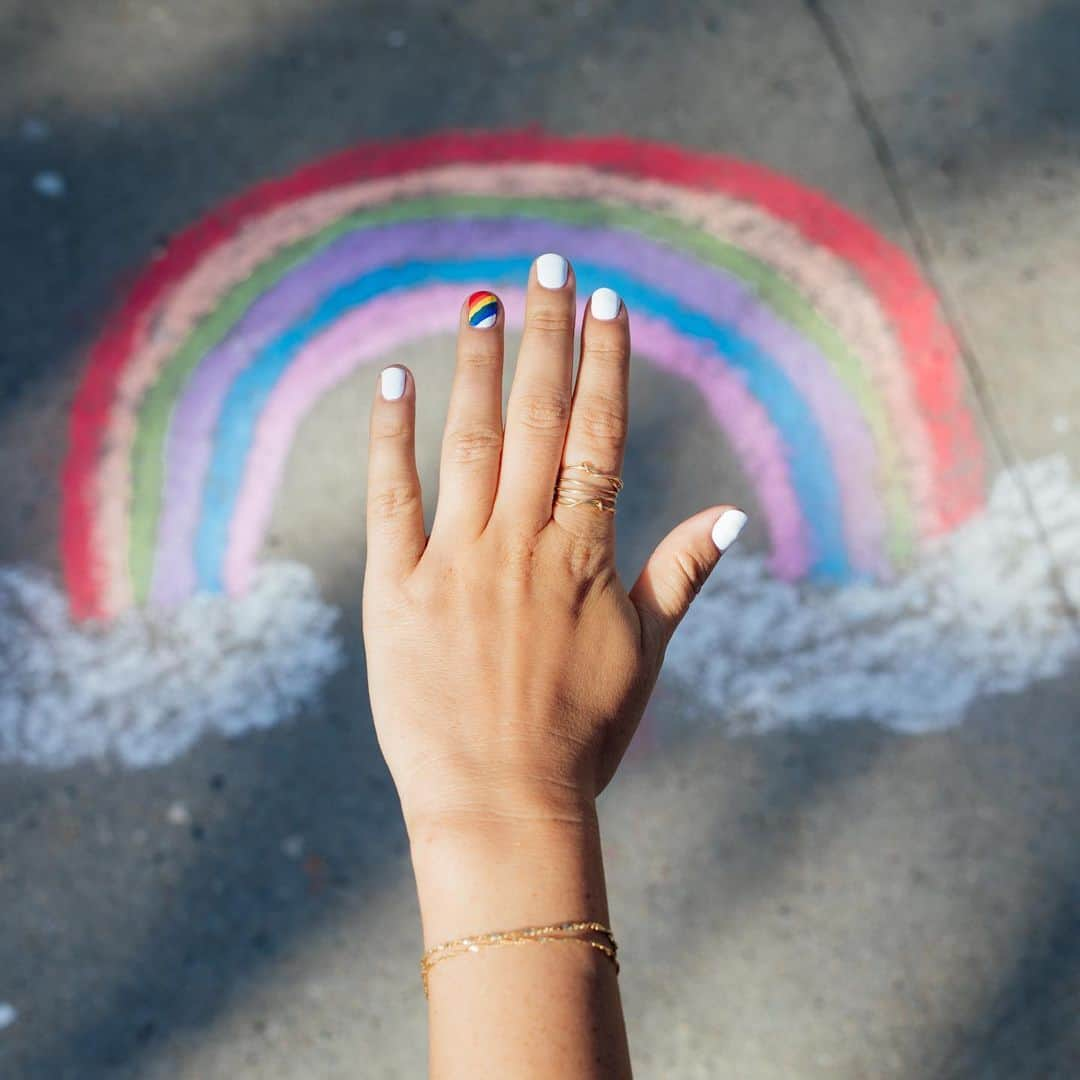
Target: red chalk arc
<point>953,484</point>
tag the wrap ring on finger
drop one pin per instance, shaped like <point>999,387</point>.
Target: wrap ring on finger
<point>585,485</point>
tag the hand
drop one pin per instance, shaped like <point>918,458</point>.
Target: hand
<point>508,665</point>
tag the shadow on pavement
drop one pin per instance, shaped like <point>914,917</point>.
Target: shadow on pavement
<point>269,834</point>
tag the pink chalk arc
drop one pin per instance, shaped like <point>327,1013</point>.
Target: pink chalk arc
<point>372,331</point>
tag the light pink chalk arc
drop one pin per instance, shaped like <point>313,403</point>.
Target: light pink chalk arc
<point>814,271</point>
<point>390,321</point>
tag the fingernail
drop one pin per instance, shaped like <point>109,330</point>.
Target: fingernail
<point>605,304</point>
<point>483,309</point>
<point>392,383</point>
<point>551,271</point>
<point>727,528</point>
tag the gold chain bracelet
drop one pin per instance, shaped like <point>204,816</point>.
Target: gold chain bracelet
<point>567,931</point>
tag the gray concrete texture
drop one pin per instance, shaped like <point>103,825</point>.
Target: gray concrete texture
<point>846,902</point>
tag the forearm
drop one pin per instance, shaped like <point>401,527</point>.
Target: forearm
<point>548,1009</point>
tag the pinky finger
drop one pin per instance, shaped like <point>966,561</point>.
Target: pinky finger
<point>395,509</point>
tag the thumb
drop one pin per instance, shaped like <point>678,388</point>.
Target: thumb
<point>679,567</point>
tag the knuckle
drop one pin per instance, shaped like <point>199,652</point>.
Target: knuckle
<point>518,559</point>
<point>693,571</point>
<point>395,500</point>
<point>587,554</point>
<point>544,412</point>
<point>423,592</point>
<point>468,444</point>
<point>387,430</point>
<point>550,321</point>
<point>478,359</point>
<point>589,541</point>
<point>607,351</point>
<point>602,421</point>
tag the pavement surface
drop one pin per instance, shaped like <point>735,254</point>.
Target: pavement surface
<point>842,892</point>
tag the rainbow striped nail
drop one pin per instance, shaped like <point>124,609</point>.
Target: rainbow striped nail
<point>483,310</point>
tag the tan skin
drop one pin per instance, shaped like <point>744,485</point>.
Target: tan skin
<point>508,669</point>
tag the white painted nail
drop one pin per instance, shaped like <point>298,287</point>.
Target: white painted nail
<point>727,528</point>
<point>605,304</point>
<point>551,271</point>
<point>392,383</point>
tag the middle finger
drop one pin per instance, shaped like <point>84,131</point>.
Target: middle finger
<point>539,406</point>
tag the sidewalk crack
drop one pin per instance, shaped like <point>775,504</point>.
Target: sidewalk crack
<point>921,245</point>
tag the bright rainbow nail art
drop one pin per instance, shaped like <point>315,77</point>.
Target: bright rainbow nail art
<point>483,310</point>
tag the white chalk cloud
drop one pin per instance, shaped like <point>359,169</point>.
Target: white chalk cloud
<point>985,611</point>
<point>990,608</point>
<point>143,688</point>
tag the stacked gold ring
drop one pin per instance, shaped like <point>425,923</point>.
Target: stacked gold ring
<point>594,488</point>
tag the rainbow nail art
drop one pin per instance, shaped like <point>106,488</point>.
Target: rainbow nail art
<point>483,309</point>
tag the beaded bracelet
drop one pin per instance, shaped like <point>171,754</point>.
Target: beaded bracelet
<point>567,931</point>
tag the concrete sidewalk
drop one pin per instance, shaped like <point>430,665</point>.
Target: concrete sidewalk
<point>828,899</point>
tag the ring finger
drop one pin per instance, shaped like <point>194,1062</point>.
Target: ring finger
<point>598,413</point>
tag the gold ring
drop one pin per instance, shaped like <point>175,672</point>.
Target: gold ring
<point>594,488</point>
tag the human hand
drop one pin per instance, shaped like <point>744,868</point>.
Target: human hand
<point>508,665</point>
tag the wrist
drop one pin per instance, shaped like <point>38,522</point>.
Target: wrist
<point>474,807</point>
<point>479,871</point>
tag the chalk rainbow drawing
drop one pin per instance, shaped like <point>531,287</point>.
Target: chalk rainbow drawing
<point>819,350</point>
